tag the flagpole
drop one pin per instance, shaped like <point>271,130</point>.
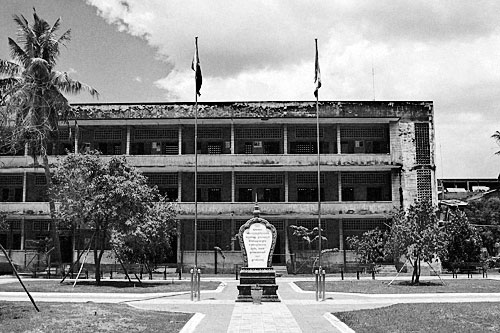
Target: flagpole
<point>319,168</point>
<point>196,167</point>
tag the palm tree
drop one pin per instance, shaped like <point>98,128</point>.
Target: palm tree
<point>31,94</point>
<point>496,136</point>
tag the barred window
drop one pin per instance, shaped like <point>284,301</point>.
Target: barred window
<point>422,145</point>
<point>259,179</point>
<point>308,132</point>
<point>108,134</point>
<point>162,178</point>
<point>155,133</point>
<point>171,149</point>
<point>64,134</point>
<point>209,179</point>
<point>259,133</point>
<point>278,224</point>
<point>365,178</point>
<point>309,178</point>
<point>11,180</point>
<point>209,225</point>
<point>362,132</point>
<point>41,225</point>
<point>309,224</point>
<point>424,185</point>
<point>40,180</point>
<point>15,224</point>
<point>364,224</point>
<point>209,133</point>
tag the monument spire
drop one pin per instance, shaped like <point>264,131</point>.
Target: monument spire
<point>256,210</point>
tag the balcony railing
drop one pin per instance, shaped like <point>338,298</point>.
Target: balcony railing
<point>243,161</point>
<point>238,208</point>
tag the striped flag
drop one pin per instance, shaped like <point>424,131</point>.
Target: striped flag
<point>195,66</point>
<point>317,73</point>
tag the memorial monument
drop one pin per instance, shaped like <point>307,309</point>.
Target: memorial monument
<point>257,240</point>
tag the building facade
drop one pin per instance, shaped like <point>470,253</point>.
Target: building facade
<point>374,157</point>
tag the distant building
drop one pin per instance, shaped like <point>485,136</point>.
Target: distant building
<point>375,156</point>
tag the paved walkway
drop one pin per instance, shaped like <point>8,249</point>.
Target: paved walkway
<point>297,312</point>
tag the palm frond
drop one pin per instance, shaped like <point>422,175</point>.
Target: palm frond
<point>496,136</point>
<point>9,68</point>
<point>66,84</point>
<point>17,53</point>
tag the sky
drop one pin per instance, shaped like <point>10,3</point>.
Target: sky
<point>443,51</point>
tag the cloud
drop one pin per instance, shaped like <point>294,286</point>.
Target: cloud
<point>444,51</point>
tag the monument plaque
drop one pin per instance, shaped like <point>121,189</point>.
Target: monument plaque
<point>257,240</point>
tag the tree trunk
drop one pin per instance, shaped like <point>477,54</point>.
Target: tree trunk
<point>97,261</point>
<point>52,207</point>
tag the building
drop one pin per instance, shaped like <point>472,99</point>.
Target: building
<point>375,156</point>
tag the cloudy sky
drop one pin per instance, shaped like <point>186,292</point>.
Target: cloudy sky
<point>443,51</point>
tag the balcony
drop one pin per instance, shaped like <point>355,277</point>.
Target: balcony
<point>227,209</point>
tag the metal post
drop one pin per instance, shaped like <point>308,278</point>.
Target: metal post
<point>319,167</point>
<point>192,283</point>
<point>198,284</point>
<point>324,285</point>
<point>316,284</point>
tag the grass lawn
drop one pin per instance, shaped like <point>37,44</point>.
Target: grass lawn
<point>116,286</point>
<point>403,287</point>
<point>86,317</point>
<point>429,317</point>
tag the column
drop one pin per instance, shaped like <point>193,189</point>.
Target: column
<point>76,138</point>
<point>286,186</point>
<point>22,233</point>
<point>339,145</point>
<point>341,234</point>
<point>180,140</point>
<point>179,186</point>
<point>287,249</point>
<point>339,182</point>
<point>233,187</point>
<point>285,139</point>
<point>233,148</point>
<point>26,149</point>
<point>127,147</point>
<point>25,176</point>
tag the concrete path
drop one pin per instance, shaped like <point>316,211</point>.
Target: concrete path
<point>297,312</point>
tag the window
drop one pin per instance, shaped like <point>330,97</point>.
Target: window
<point>309,194</point>
<point>268,194</point>
<point>423,153</point>
<point>211,194</point>
<point>374,194</point>
<point>347,193</point>
<point>245,195</point>
<point>424,185</point>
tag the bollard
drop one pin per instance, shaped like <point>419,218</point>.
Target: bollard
<point>111,274</point>
<point>357,275</point>
<point>324,285</point>
<point>199,282</point>
<point>373,274</point>
<point>342,274</point>
<point>316,284</point>
<point>192,284</point>
<point>165,273</point>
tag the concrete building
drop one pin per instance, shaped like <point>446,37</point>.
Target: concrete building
<point>375,156</point>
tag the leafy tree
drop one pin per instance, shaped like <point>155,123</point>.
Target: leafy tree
<point>32,93</point>
<point>371,246</point>
<point>486,213</point>
<point>114,200</point>
<point>496,136</point>
<point>417,233</point>
<point>310,236</point>
<point>464,243</point>
<point>147,238</point>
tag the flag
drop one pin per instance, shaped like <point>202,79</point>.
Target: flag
<point>317,73</point>
<point>195,66</point>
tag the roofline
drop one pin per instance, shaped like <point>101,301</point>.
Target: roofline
<point>249,102</point>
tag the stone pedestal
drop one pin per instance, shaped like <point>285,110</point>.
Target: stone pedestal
<point>262,277</point>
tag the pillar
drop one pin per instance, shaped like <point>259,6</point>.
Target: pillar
<point>127,147</point>
<point>77,133</point>
<point>339,182</point>
<point>233,148</point>
<point>286,186</point>
<point>25,176</point>
<point>179,186</point>
<point>285,139</point>
<point>180,140</point>
<point>339,145</point>
<point>233,186</point>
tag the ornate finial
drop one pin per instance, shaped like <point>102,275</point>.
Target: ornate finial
<point>256,210</point>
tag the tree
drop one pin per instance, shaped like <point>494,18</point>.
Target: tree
<point>32,94</point>
<point>496,136</point>
<point>485,212</point>
<point>146,239</point>
<point>371,246</point>
<point>417,233</point>
<point>464,244</point>
<point>114,200</point>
